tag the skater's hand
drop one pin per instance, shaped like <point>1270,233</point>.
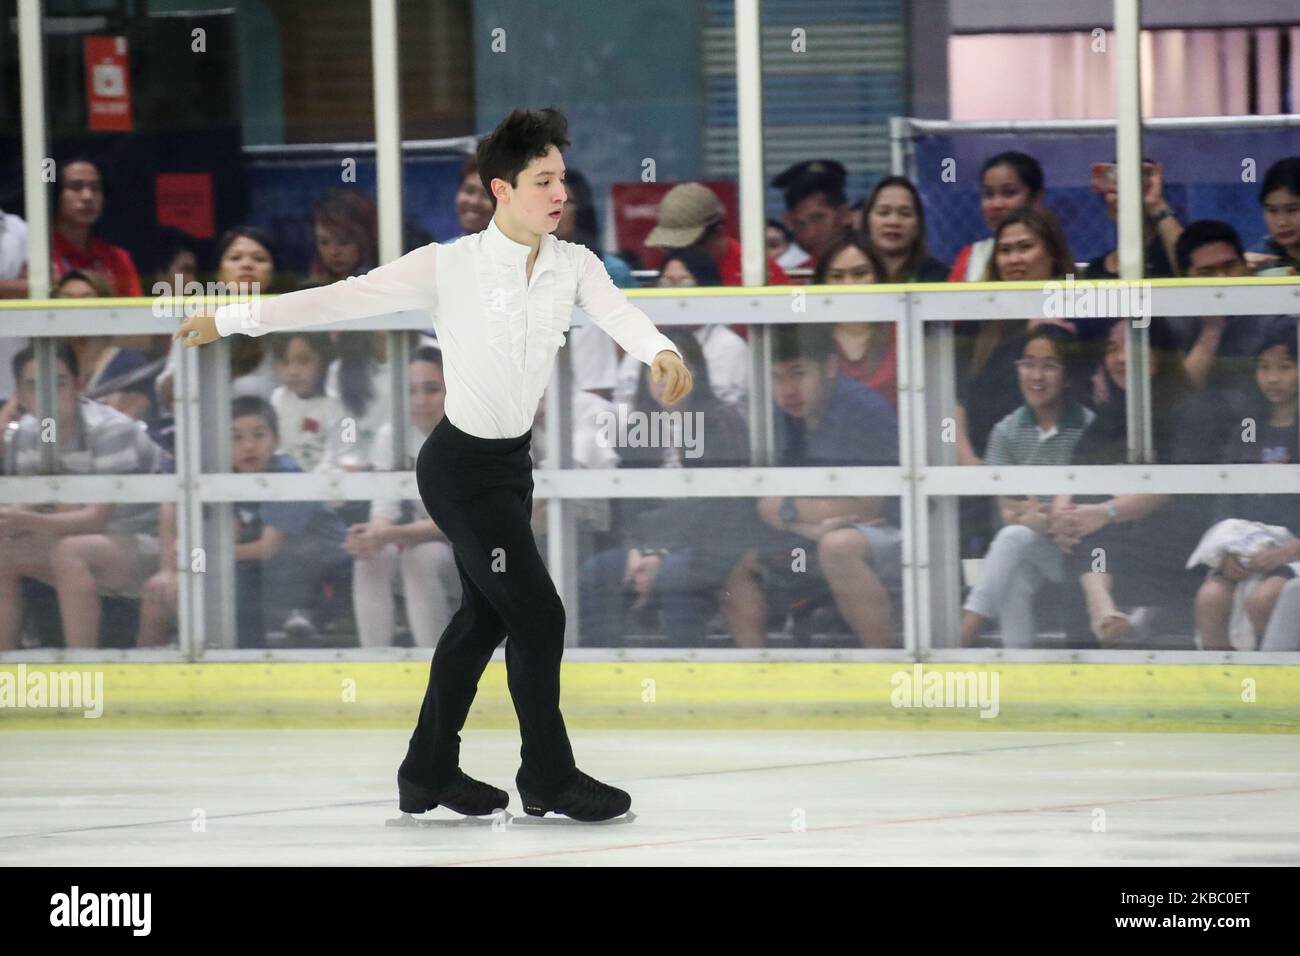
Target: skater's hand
<point>678,381</point>
<point>198,330</point>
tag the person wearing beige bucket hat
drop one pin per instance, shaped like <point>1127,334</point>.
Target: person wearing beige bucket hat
<point>692,215</point>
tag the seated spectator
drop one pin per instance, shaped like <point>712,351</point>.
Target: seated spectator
<point>578,223</point>
<point>1274,441</point>
<point>594,353</point>
<point>283,548</point>
<point>1030,247</point>
<point>816,208</point>
<point>1144,539</point>
<point>856,213</point>
<point>305,413</point>
<point>781,245</point>
<point>13,263</point>
<point>86,552</point>
<point>473,199</point>
<point>176,259</point>
<point>895,228</point>
<point>400,539</point>
<point>13,260</point>
<point>725,352</point>
<point>1008,182</point>
<point>246,263</point>
<point>1220,350</point>
<point>1283,633</point>
<point>675,553</point>
<point>592,516</point>
<point>359,380</point>
<point>823,418</point>
<point>79,206</point>
<point>1278,253</point>
<point>690,214</point>
<point>868,351</point>
<point>103,362</point>
<point>1042,431</point>
<point>1160,227</point>
<point>345,233</point>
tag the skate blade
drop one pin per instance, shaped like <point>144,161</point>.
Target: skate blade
<point>559,820</point>
<point>500,818</point>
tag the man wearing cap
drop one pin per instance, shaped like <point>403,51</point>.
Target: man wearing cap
<point>816,209</point>
<point>691,214</point>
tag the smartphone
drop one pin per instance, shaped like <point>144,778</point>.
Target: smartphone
<point>1105,178</point>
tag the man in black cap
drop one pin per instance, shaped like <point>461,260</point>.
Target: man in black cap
<point>816,209</point>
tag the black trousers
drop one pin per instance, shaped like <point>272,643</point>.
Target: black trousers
<point>480,493</point>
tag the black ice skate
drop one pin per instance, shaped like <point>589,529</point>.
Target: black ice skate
<point>582,799</point>
<point>464,795</point>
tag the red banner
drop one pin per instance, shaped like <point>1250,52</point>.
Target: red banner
<point>184,200</point>
<point>636,208</point>
<point>108,85</point>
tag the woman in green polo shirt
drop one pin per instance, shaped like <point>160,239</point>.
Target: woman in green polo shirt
<point>1042,431</point>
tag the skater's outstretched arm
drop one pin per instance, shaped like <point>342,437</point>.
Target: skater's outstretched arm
<point>630,327</point>
<point>401,285</point>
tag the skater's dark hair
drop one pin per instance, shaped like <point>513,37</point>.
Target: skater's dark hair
<point>255,405</point>
<point>802,341</point>
<point>521,137</point>
<point>318,342</point>
<point>62,353</point>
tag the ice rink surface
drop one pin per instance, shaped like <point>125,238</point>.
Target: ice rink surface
<point>326,797</point>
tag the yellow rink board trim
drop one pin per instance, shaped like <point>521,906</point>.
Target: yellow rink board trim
<point>686,695</point>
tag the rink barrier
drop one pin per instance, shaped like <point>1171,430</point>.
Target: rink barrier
<point>652,693</point>
<point>924,477</point>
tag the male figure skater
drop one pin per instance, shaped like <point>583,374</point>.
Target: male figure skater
<point>500,302</point>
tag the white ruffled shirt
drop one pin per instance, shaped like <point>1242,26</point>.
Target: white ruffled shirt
<point>499,332</point>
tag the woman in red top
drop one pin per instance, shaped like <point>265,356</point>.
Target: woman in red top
<point>1008,182</point>
<point>867,350</point>
<point>78,207</point>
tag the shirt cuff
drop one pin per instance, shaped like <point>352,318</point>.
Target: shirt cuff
<point>242,317</point>
<point>665,344</point>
